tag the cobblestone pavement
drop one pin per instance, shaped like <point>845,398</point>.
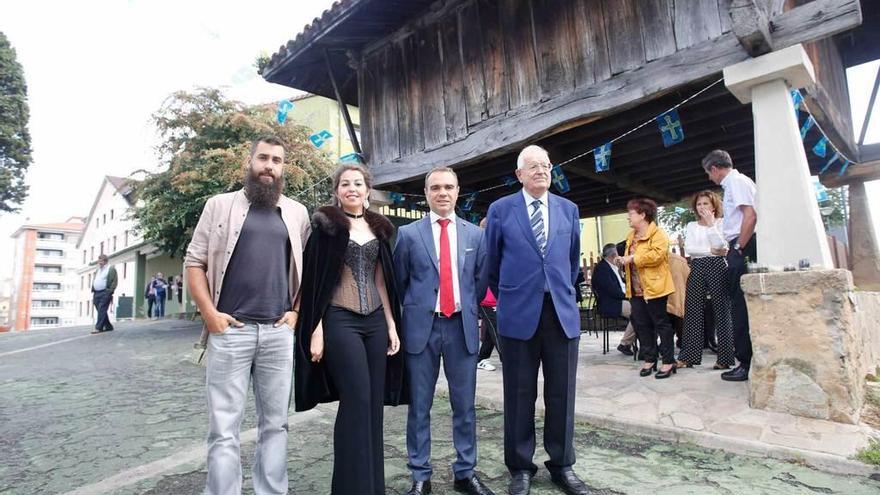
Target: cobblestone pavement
<point>78,413</point>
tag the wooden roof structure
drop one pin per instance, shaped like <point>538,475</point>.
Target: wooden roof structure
<point>467,83</point>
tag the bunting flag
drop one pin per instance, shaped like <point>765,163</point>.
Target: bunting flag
<point>474,217</point>
<point>560,181</point>
<point>680,211</point>
<point>468,203</point>
<point>395,197</point>
<point>806,127</point>
<point>796,99</point>
<point>602,155</point>
<point>510,181</point>
<point>318,139</point>
<point>819,149</point>
<point>351,157</point>
<point>670,128</point>
<point>284,106</point>
<point>830,162</point>
<point>821,191</point>
<point>843,168</point>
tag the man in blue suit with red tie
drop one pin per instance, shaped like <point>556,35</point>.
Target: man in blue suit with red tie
<point>438,263</point>
<point>532,261</point>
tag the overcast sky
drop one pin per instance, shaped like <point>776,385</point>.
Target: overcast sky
<point>97,70</point>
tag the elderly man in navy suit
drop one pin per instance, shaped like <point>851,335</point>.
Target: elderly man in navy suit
<point>532,255</point>
<point>437,261</point>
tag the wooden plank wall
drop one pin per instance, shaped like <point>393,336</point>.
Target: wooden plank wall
<point>471,62</point>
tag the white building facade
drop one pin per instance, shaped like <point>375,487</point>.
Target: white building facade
<point>45,285</point>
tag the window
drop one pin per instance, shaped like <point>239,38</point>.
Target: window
<point>80,308</point>
<point>104,219</point>
<point>47,286</point>
<point>93,253</point>
<point>125,270</point>
<point>114,244</point>
<point>102,247</point>
<point>50,236</point>
<point>111,214</point>
<point>84,256</point>
<point>82,283</point>
<point>126,238</point>
<point>44,321</point>
<point>47,268</point>
<point>45,303</point>
<point>50,253</point>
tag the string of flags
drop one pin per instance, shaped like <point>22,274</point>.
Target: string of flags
<point>819,149</point>
<point>284,106</point>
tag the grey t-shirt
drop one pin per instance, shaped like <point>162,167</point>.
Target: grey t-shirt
<point>255,286</point>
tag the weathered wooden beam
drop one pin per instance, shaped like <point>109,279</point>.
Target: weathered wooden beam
<point>856,172</point>
<point>352,136</point>
<point>750,22</point>
<point>621,181</point>
<point>815,20</point>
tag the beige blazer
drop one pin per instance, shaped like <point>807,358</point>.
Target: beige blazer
<point>217,233</point>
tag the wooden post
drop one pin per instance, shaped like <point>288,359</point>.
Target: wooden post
<point>343,107</point>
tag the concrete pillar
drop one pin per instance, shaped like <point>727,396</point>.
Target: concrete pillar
<point>789,224</point>
<point>864,253</point>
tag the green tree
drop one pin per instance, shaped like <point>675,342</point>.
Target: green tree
<point>205,142</point>
<point>15,141</point>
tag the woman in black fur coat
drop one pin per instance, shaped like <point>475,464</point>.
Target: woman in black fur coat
<point>347,345</point>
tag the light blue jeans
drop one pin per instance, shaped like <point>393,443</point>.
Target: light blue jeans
<point>265,354</point>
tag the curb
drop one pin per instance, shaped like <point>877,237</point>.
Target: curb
<point>830,463</point>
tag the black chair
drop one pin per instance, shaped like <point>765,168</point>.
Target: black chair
<point>608,324</point>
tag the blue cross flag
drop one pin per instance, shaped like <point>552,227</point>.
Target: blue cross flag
<point>284,106</point>
<point>796,99</point>
<point>833,159</point>
<point>395,197</point>
<point>320,138</point>
<point>559,180</point>
<point>510,181</point>
<point>806,127</point>
<point>819,149</point>
<point>670,128</point>
<point>351,157</point>
<point>602,155</point>
<point>468,203</point>
<point>821,191</point>
<point>474,218</point>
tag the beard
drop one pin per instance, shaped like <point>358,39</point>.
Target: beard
<point>262,194</point>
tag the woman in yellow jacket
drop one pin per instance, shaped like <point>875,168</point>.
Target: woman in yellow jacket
<point>648,285</point>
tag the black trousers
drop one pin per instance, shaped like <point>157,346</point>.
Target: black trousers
<point>557,355</point>
<point>708,275</point>
<point>650,320</point>
<point>354,354</point>
<point>489,322</point>
<point>102,299</point>
<point>736,268</point>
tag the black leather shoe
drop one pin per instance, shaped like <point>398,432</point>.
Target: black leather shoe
<point>648,371</point>
<point>738,374</point>
<point>420,488</point>
<point>666,374</point>
<point>472,485</point>
<point>519,483</point>
<point>569,482</point>
<point>625,349</point>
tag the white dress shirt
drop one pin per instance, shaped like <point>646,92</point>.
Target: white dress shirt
<point>452,232</point>
<point>699,240</point>
<point>739,190</point>
<point>545,210</point>
<point>100,282</point>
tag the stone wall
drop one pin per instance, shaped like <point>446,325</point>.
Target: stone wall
<point>814,339</point>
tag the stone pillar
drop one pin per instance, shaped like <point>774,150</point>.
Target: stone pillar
<point>812,343</point>
<point>864,254</point>
<point>789,224</point>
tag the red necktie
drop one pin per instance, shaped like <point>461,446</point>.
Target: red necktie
<point>447,297</point>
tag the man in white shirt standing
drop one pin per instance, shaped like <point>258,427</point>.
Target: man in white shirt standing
<point>738,228</point>
<point>102,294</point>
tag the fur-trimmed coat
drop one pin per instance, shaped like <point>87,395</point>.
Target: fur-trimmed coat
<point>322,269</point>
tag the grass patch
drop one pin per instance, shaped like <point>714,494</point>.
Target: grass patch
<point>870,454</point>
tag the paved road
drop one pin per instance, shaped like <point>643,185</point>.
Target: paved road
<point>123,413</point>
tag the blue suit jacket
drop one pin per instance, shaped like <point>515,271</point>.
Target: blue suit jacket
<point>606,285</point>
<point>517,272</point>
<point>416,266</point>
